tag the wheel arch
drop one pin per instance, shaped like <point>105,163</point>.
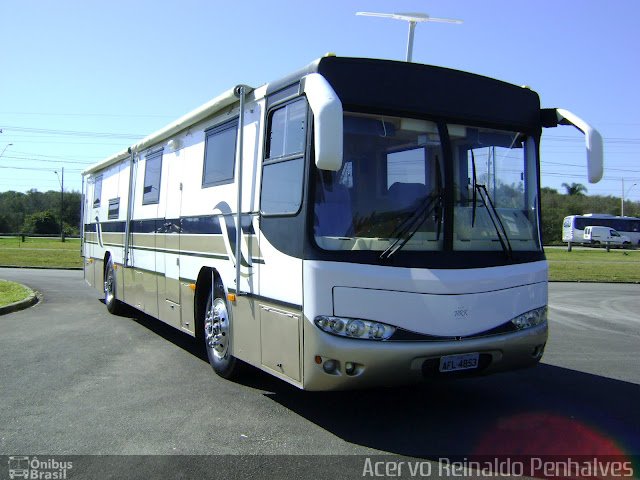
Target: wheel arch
<point>203,287</point>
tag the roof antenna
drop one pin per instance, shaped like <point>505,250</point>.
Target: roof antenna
<point>413,19</point>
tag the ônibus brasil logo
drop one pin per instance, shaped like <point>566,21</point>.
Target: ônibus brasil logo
<point>40,469</point>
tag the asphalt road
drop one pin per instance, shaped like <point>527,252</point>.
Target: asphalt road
<point>76,380</point>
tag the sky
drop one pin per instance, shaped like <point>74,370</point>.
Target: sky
<point>81,80</point>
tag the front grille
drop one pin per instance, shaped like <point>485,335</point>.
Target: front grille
<point>403,335</point>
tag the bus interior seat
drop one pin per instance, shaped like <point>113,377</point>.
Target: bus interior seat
<point>406,195</point>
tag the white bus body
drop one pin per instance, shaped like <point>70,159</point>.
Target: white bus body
<point>389,225</point>
<point>573,227</point>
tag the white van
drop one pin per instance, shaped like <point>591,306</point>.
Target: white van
<point>603,235</point>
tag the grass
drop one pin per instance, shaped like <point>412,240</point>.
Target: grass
<point>581,265</point>
<point>40,252</point>
<point>593,265</point>
<point>11,292</point>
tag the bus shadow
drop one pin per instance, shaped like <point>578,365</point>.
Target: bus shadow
<point>169,333</point>
<point>545,411</point>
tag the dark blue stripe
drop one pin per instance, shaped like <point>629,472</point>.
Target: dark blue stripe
<point>197,225</point>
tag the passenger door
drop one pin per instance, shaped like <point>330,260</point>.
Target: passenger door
<point>168,242</point>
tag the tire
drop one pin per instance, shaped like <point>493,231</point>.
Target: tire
<point>216,326</point>
<point>114,305</point>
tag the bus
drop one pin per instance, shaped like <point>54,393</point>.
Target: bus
<point>573,227</point>
<point>358,222</point>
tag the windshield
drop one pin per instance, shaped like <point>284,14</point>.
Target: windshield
<point>495,184</point>
<point>390,193</point>
<point>392,168</point>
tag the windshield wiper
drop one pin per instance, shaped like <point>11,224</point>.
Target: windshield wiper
<point>410,226</point>
<point>493,212</point>
<point>491,208</point>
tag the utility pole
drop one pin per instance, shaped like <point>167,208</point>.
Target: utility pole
<point>622,200</point>
<point>624,195</point>
<point>61,180</point>
<point>62,207</point>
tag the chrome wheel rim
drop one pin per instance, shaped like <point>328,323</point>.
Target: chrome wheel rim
<point>109,286</point>
<point>216,328</point>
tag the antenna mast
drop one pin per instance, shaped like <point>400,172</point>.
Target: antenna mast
<point>412,19</point>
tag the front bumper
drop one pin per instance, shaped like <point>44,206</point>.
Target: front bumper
<point>396,362</point>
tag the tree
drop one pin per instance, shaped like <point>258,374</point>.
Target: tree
<point>575,188</point>
<point>41,223</point>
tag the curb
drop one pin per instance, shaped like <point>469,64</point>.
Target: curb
<point>40,268</point>
<point>31,300</point>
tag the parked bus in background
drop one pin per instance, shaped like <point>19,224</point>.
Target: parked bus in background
<point>358,222</point>
<point>573,227</point>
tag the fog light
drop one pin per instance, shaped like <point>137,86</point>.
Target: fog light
<point>538,351</point>
<point>330,366</point>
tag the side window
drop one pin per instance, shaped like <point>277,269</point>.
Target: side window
<point>282,187</point>
<point>287,130</point>
<point>114,208</point>
<point>220,154</point>
<point>152,170</point>
<point>407,166</point>
<point>283,168</point>
<point>97,191</point>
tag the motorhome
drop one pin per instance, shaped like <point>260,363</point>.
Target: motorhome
<point>358,222</point>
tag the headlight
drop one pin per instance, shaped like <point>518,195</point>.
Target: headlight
<point>531,318</point>
<point>354,327</point>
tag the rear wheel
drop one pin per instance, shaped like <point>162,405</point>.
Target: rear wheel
<point>217,334</point>
<point>113,304</point>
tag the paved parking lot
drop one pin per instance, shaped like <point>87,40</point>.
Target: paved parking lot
<point>77,380</point>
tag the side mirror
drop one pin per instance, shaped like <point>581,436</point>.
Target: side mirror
<point>593,140</point>
<point>327,122</point>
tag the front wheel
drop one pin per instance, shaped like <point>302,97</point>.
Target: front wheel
<point>113,304</point>
<point>217,335</point>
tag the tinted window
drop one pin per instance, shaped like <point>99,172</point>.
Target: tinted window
<point>220,154</point>
<point>282,187</point>
<point>114,208</point>
<point>152,170</point>
<point>97,191</point>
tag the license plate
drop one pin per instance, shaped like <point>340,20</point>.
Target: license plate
<point>452,363</point>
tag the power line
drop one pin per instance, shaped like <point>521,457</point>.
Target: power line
<point>74,133</point>
<point>77,114</point>
<point>39,169</point>
<point>48,161</point>
<point>55,156</point>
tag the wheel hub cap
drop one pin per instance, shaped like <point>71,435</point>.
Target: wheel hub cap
<point>216,328</point>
